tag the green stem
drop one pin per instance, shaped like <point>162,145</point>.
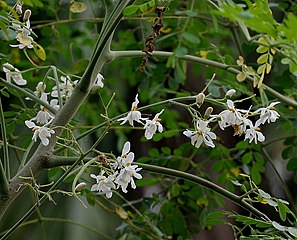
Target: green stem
<point>29,95</point>
<point>62,220</point>
<point>5,146</point>
<point>3,181</point>
<point>134,53</point>
<point>39,160</point>
<point>205,183</point>
<point>284,185</point>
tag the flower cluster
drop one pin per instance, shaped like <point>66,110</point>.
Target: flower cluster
<point>237,119</point>
<point>150,126</point>
<point>121,174</point>
<point>23,30</point>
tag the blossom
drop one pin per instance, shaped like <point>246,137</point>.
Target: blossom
<point>133,115</point>
<point>230,116</point>
<point>126,176</point>
<point>14,74</point>
<point>24,39</point>
<point>128,171</point>
<point>42,132</point>
<point>253,133</point>
<point>201,134</point>
<point>98,81</point>
<point>104,184</point>
<point>125,152</point>
<point>151,126</point>
<point>44,116</point>
<point>66,87</point>
<point>267,114</point>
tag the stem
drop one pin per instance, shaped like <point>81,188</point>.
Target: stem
<point>5,147</point>
<point>40,159</point>
<point>3,181</point>
<point>205,183</point>
<point>62,220</point>
<point>285,186</point>
<point>135,53</point>
<point>29,95</point>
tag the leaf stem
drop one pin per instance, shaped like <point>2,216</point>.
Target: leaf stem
<point>191,58</point>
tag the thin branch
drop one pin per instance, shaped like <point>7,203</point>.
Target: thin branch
<point>29,95</point>
<point>205,183</point>
<point>5,146</point>
<point>135,53</point>
<point>62,220</point>
<point>284,185</point>
<point>3,180</point>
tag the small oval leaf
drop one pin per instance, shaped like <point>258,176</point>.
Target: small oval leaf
<point>78,7</point>
<point>39,51</point>
<point>130,10</point>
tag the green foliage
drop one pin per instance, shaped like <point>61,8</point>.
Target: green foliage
<point>202,46</point>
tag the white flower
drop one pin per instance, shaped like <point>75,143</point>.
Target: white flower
<point>231,116</point>
<point>128,171</point>
<point>151,126</point>
<point>133,115</point>
<point>66,87</point>
<point>202,134</point>
<point>267,114</point>
<point>24,38</point>
<point>254,134</point>
<point>44,116</point>
<point>14,73</point>
<point>42,132</point>
<point>126,176</point>
<point>98,81</point>
<point>104,184</point>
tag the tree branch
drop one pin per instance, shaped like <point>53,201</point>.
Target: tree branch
<point>40,158</point>
<point>135,53</point>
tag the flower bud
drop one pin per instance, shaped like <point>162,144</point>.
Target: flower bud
<point>18,8</point>
<point>80,186</point>
<point>200,99</point>
<point>40,87</point>
<point>208,112</point>
<point>27,15</point>
<point>8,66</point>
<point>230,93</point>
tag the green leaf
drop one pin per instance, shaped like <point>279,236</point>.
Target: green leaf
<point>262,49</point>
<point>39,51</point>
<point>55,173</point>
<point>262,59</point>
<point>130,10</point>
<point>143,8</point>
<point>181,51</point>
<point>175,190</point>
<point>78,7</point>
<point>292,164</point>
<point>282,209</point>
<point>242,145</point>
<point>247,158</point>
<point>190,37</point>
<point>147,182</point>
<point>152,3</point>
<point>256,176</point>
<point>153,152</point>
